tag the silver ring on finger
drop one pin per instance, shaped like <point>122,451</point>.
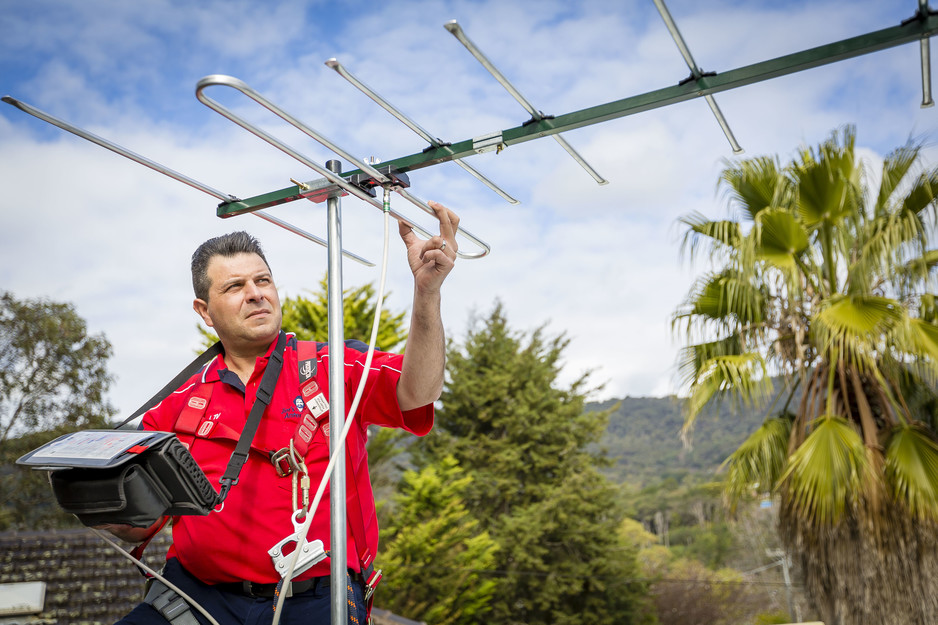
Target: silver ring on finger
<point>443,246</point>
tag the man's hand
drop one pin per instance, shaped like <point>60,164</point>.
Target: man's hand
<point>433,259</point>
<point>421,380</point>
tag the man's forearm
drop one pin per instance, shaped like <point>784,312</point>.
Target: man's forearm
<point>421,381</point>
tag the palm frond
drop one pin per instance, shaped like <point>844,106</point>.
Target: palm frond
<point>754,184</point>
<point>853,327</point>
<point>826,472</point>
<point>923,194</point>
<point>912,470</point>
<point>743,375</point>
<point>895,168</point>
<point>693,358</point>
<point>730,294</point>
<point>759,461</point>
<point>828,182</point>
<point>722,235</point>
<point>780,237</point>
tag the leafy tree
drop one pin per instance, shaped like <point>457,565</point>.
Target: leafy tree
<point>536,485</point>
<point>309,318</point>
<point>52,372</point>
<point>438,562</point>
<point>26,498</point>
<point>53,379</point>
<point>686,591</point>
<point>825,278</point>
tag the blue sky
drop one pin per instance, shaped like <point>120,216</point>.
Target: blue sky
<point>600,263</point>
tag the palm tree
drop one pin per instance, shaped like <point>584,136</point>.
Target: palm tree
<point>821,299</point>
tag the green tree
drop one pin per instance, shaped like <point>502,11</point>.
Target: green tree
<point>536,485</point>
<point>53,380</point>
<point>824,277</point>
<point>438,562</point>
<point>309,318</point>
<point>52,372</point>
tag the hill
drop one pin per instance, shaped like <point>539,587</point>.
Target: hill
<point>643,439</point>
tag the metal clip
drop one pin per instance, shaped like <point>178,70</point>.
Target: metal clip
<point>310,553</point>
<point>283,461</point>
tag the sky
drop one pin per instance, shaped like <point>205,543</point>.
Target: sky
<point>601,265</point>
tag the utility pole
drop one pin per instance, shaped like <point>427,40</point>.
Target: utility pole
<point>793,609</point>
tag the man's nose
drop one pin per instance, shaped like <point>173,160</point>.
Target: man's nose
<point>253,292</point>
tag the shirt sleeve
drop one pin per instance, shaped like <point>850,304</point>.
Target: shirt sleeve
<point>379,401</point>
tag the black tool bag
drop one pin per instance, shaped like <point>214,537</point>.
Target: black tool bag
<point>123,476</point>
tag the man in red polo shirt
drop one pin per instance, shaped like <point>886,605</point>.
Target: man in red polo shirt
<point>221,560</point>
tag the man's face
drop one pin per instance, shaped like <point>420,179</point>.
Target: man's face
<point>243,306</point>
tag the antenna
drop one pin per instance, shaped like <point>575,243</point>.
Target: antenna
<point>696,74</point>
<point>175,175</point>
<point>536,116</point>
<point>393,174</point>
<point>426,136</point>
<point>374,177</point>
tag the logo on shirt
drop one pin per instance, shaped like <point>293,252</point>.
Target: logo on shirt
<point>307,369</point>
<point>293,412</point>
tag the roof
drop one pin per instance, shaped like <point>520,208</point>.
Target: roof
<point>87,581</point>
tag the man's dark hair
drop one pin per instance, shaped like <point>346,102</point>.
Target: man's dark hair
<point>226,245</point>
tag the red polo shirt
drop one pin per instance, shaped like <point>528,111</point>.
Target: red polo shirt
<point>230,544</point>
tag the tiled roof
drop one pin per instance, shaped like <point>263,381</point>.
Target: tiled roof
<point>87,581</point>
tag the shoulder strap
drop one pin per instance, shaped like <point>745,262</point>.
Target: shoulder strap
<point>264,392</point>
<point>306,358</point>
<point>190,369</point>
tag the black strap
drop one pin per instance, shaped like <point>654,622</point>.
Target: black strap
<point>175,383</point>
<point>264,392</point>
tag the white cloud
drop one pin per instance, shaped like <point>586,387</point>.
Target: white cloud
<point>80,224</point>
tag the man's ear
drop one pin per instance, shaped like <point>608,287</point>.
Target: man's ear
<point>200,306</point>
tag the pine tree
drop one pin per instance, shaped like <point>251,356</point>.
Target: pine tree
<point>436,559</point>
<point>536,485</point>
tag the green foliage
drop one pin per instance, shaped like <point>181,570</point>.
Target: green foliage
<point>309,317</point>
<point>536,487</point>
<point>52,372</point>
<point>685,591</point>
<point>826,280</point>
<point>53,378</point>
<point>437,561</point>
<point>26,499</point>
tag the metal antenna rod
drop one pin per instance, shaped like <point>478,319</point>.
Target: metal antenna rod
<point>426,136</point>
<point>229,81</point>
<point>925,48</point>
<point>696,73</point>
<point>456,30</point>
<point>175,175</point>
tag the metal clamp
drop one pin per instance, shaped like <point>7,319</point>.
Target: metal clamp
<point>339,181</point>
<point>310,553</point>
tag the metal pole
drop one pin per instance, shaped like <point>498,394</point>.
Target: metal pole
<point>338,546</point>
<point>794,611</point>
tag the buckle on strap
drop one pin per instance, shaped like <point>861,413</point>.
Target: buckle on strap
<point>283,461</point>
<point>371,583</point>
